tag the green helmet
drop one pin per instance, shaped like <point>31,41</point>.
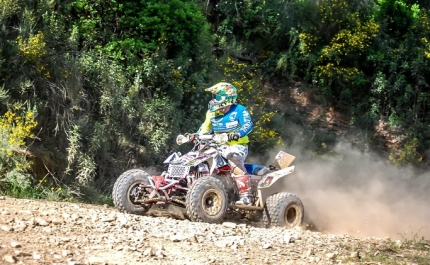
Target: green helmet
<point>225,94</point>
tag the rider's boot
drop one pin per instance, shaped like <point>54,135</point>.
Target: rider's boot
<point>244,185</point>
<point>243,180</point>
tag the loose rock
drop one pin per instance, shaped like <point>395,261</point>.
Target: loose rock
<point>9,259</point>
<point>15,244</point>
<point>72,234</point>
<point>40,221</point>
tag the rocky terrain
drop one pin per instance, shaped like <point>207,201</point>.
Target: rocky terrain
<point>44,232</point>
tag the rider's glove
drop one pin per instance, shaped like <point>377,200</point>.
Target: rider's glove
<point>233,136</point>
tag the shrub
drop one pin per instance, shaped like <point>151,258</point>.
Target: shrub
<point>407,155</point>
<point>16,126</point>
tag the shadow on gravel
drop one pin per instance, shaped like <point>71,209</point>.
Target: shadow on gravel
<point>179,213</point>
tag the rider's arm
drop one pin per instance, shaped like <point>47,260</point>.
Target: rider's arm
<point>207,125</point>
<point>245,122</point>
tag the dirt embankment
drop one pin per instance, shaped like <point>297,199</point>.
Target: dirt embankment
<point>42,232</point>
<point>353,188</point>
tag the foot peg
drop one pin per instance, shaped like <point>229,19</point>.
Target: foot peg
<point>244,200</point>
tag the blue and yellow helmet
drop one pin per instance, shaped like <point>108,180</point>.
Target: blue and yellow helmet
<point>225,94</point>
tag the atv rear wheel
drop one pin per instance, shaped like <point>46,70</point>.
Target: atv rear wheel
<point>125,191</point>
<point>207,201</point>
<point>283,210</point>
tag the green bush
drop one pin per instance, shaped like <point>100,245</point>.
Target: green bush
<point>130,30</point>
<point>16,128</point>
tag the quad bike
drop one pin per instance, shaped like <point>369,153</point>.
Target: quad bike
<point>199,183</point>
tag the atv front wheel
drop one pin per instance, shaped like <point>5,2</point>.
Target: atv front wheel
<point>207,201</point>
<point>126,190</point>
<point>118,180</point>
<point>283,210</point>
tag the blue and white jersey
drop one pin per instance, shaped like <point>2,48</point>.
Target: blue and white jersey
<point>237,119</point>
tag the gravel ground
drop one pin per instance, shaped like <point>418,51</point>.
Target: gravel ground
<point>45,232</point>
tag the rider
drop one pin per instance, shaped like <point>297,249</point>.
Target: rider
<point>226,116</point>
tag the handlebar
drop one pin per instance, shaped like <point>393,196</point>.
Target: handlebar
<point>206,137</point>
<point>221,138</point>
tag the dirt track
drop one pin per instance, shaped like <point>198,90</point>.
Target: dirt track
<point>41,232</point>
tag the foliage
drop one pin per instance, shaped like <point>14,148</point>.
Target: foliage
<point>8,8</point>
<point>368,59</point>
<point>33,49</point>
<point>16,127</point>
<point>132,29</point>
<point>400,91</point>
<point>108,98</point>
<point>52,191</point>
<point>112,82</point>
<point>400,16</point>
<point>408,155</point>
<point>323,142</point>
<point>253,96</point>
<point>341,39</point>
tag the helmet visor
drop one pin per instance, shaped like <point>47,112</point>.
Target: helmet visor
<point>218,97</point>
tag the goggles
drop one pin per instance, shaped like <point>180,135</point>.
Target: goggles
<point>218,97</point>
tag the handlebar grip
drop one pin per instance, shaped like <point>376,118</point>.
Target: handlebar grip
<point>182,139</point>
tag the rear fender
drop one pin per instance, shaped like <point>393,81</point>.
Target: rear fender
<point>278,184</point>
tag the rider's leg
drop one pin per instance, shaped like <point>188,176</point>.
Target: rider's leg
<point>241,177</point>
<point>237,164</point>
<point>244,185</point>
<point>236,156</point>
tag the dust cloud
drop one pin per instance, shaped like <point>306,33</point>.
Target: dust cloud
<point>361,195</point>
